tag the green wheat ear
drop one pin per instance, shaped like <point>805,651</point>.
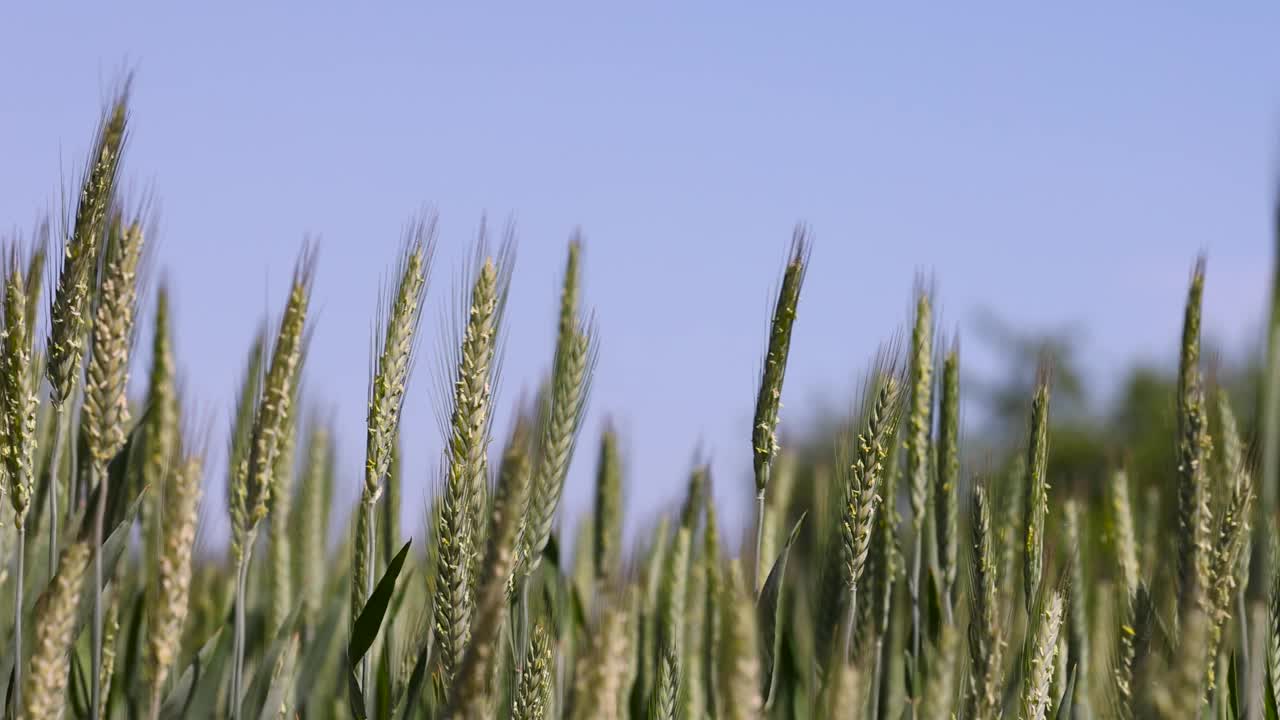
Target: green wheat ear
<point>1193,450</point>
<point>946,491</point>
<point>396,343</point>
<point>764,427</point>
<point>607,530</point>
<point>986,637</point>
<point>473,687</point>
<point>465,469</point>
<point>571,375</point>
<point>739,657</point>
<point>1036,503</point>
<point>534,683</point>
<point>1039,664</point>
<point>19,399</point>
<point>70,312</point>
<point>270,423</point>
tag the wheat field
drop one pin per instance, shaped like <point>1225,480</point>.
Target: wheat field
<point>885,576</point>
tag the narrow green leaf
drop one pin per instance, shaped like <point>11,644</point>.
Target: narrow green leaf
<point>196,690</point>
<point>769,611</point>
<point>1068,697</point>
<point>365,629</point>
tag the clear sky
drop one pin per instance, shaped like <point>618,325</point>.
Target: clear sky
<point>1062,165</point>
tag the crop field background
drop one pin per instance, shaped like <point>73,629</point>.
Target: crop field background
<point>509,513</point>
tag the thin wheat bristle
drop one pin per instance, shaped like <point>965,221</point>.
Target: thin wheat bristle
<point>34,275</point>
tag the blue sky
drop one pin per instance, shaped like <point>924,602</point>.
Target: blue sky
<point>1063,165</point>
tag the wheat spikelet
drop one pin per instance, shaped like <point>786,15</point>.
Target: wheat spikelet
<point>986,639</point>
<point>279,540</point>
<point>845,692</point>
<point>172,584</point>
<point>1078,653</point>
<point>34,275</point>
<point>106,406</point>
<point>1123,536</point>
<point>44,695</point>
<point>606,668</point>
<point>472,686</point>
<point>1132,642</point>
<point>533,695</point>
<point>740,672</point>
<point>241,438</point>
<point>713,612</point>
<point>938,697</point>
<point>1040,660</point>
<point>946,493</point>
<point>607,530</point>
<point>111,628</point>
<point>663,705</point>
<point>160,423</point>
